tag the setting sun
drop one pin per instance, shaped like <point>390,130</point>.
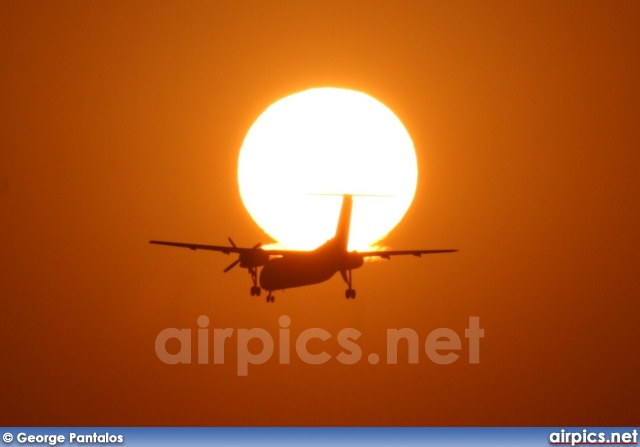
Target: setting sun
<point>322,142</point>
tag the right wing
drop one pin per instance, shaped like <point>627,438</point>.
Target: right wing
<point>387,254</point>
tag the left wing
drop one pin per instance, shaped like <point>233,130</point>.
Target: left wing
<point>226,249</point>
<point>388,254</point>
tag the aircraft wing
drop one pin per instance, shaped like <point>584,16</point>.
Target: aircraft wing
<point>221,248</point>
<point>226,249</point>
<point>387,254</point>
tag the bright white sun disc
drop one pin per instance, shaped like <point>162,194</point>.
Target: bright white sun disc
<point>326,141</point>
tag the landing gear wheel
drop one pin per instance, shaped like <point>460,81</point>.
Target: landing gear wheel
<point>255,289</point>
<point>270,299</point>
<point>350,293</point>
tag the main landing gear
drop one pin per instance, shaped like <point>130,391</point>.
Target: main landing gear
<point>350,293</point>
<point>255,289</point>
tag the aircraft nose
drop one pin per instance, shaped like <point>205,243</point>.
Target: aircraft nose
<point>266,277</point>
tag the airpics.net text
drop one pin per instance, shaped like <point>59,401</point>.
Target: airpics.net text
<point>441,345</point>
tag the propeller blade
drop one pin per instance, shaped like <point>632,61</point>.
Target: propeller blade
<point>237,261</point>
<point>232,265</point>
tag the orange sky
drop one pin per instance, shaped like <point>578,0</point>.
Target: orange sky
<point>122,121</point>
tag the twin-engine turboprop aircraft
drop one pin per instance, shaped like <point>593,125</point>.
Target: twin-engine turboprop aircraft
<point>285,269</point>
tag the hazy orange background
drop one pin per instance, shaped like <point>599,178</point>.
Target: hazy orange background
<point>122,121</point>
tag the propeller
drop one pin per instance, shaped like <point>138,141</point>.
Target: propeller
<point>237,261</point>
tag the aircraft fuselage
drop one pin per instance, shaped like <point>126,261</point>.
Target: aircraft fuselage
<point>303,269</point>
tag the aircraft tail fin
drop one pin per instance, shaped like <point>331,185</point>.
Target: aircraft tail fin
<point>341,238</point>
<point>344,222</point>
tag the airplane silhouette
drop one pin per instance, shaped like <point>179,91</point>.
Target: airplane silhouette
<point>285,269</point>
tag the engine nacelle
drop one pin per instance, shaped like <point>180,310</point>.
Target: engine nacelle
<point>253,258</point>
<point>353,261</point>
